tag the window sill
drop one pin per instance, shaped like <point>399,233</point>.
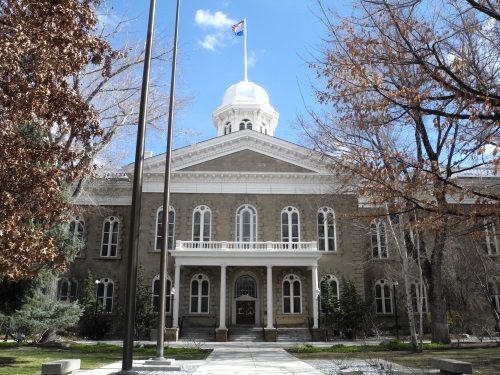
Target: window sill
<point>118,257</point>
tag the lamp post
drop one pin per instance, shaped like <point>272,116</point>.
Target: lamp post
<point>172,292</point>
<point>96,304</point>
<point>394,285</point>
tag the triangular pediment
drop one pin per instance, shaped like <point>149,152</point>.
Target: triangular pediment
<point>246,161</point>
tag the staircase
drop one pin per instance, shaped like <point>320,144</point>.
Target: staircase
<point>242,333</point>
<point>197,334</point>
<point>298,335</point>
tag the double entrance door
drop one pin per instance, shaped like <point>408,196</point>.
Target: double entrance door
<point>245,312</point>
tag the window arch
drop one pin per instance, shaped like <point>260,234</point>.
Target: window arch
<point>418,297</point>
<point>326,229</point>
<point>292,295</point>
<point>245,286</point>
<point>105,290</point>
<point>329,287</point>
<point>110,231</point>
<point>155,287</point>
<point>383,297</point>
<point>290,224</point>
<point>378,239</point>
<point>490,241</point>
<point>246,224</point>
<point>199,294</point>
<point>227,128</point>
<point>245,124</point>
<point>76,229</point>
<point>494,290</point>
<point>67,290</point>
<point>202,220</point>
<point>159,228</point>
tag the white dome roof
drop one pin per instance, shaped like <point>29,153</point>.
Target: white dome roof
<point>245,92</point>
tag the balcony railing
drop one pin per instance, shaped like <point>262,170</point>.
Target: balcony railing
<point>254,246</point>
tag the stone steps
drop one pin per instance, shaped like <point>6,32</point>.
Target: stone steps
<point>298,335</point>
<point>206,334</point>
<point>245,334</point>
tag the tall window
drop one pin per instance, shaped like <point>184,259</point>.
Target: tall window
<point>494,289</point>
<point>490,242</point>
<point>202,217</point>
<point>110,228</point>
<point>383,297</point>
<point>67,290</point>
<point>418,297</point>
<point>245,286</point>
<point>378,238</point>
<point>159,228</point>
<point>246,224</point>
<point>200,288</point>
<point>329,287</point>
<point>227,128</point>
<point>76,229</point>
<point>156,293</point>
<point>245,124</point>
<point>290,224</point>
<point>105,290</point>
<point>326,229</point>
<point>292,301</point>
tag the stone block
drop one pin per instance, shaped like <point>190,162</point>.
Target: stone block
<point>63,366</point>
<point>451,366</point>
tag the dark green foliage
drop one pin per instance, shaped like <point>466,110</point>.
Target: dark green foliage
<point>145,316</point>
<point>91,323</point>
<point>394,345</point>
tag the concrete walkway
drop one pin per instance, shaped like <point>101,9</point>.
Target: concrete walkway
<point>237,360</point>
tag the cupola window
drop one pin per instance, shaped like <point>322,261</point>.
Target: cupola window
<point>245,124</point>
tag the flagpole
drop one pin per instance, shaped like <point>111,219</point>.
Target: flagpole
<point>245,36</point>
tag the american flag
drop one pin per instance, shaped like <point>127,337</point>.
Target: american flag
<point>236,26</point>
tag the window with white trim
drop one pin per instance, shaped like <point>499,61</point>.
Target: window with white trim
<point>227,128</point>
<point>418,297</point>
<point>246,224</point>
<point>326,229</point>
<point>202,221</point>
<point>110,231</point>
<point>290,224</point>
<point>156,293</point>
<point>378,239</point>
<point>490,240</point>
<point>159,228</point>
<point>67,290</point>
<point>329,287</point>
<point>199,294</point>
<point>245,286</point>
<point>105,292</point>
<point>494,291</point>
<point>292,295</point>
<point>76,230</point>
<point>383,297</point>
<point>245,124</point>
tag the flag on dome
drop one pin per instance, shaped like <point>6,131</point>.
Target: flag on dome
<point>238,28</point>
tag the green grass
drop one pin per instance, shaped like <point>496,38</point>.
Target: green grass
<point>485,360</point>
<point>27,360</point>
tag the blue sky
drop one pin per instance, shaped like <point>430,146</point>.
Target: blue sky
<point>279,35</point>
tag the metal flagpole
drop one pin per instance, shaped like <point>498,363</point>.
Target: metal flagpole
<point>166,206</point>
<point>133,250</point>
<point>245,43</point>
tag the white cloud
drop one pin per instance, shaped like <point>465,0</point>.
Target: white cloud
<point>218,20</point>
<point>210,42</point>
<point>251,58</point>
<point>218,28</point>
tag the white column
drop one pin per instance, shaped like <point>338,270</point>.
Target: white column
<point>315,295</point>
<point>176,295</point>
<point>270,297</point>
<point>222,308</point>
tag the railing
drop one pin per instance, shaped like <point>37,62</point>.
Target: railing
<point>255,246</point>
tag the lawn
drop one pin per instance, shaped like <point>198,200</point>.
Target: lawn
<point>485,360</point>
<point>27,360</point>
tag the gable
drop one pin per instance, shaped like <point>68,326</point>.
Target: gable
<point>246,161</point>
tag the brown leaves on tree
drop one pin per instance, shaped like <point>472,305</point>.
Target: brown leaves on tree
<point>43,44</point>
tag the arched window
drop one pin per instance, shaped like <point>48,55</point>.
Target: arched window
<point>200,289</point>
<point>67,290</point>
<point>418,297</point>
<point>245,124</point>
<point>494,290</point>
<point>292,300</point>
<point>159,226</point>
<point>490,241</point>
<point>383,297</point>
<point>105,290</point>
<point>227,128</point>
<point>245,286</point>
<point>156,293</point>
<point>202,217</point>
<point>329,287</point>
<point>378,239</point>
<point>326,229</point>
<point>109,244</point>
<point>290,224</point>
<point>246,224</point>
<point>76,229</point>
